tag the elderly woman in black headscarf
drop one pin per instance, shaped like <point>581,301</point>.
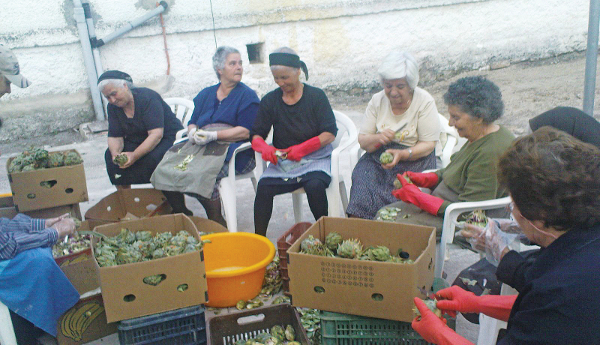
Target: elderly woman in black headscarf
<point>141,128</point>
<point>303,129</point>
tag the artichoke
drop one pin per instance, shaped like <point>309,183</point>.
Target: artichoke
<point>381,253</point>
<point>158,253</point>
<point>29,167</point>
<point>120,159</point>
<point>290,334</point>
<point>432,305</point>
<point>154,280</point>
<point>278,332</point>
<point>309,243</point>
<point>73,158</point>
<point>56,159</point>
<point>143,235</point>
<point>333,240</point>
<point>350,249</point>
<point>386,158</point>
<point>477,218</point>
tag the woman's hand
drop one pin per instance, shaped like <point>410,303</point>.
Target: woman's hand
<point>64,227</point>
<point>385,137</point>
<point>52,221</point>
<point>399,155</point>
<point>491,239</point>
<point>434,329</point>
<point>131,158</point>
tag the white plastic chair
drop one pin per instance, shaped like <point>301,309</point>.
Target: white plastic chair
<point>337,198</point>
<point>183,109</point>
<point>228,191</point>
<point>451,144</point>
<point>488,326</point>
<point>7,333</point>
<point>450,217</point>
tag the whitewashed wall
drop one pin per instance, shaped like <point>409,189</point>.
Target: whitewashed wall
<point>342,42</point>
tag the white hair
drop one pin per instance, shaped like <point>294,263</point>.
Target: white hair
<point>399,64</point>
<point>114,82</point>
<point>221,56</point>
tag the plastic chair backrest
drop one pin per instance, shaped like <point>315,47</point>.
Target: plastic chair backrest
<point>450,216</point>
<point>183,108</point>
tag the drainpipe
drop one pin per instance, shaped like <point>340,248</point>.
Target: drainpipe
<point>95,51</point>
<point>88,58</point>
<point>132,24</point>
<point>591,58</point>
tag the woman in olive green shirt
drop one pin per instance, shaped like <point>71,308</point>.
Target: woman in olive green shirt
<point>474,103</point>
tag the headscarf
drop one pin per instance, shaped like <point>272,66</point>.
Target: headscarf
<point>287,59</point>
<point>572,121</point>
<point>114,74</point>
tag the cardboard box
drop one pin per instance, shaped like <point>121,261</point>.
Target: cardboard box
<point>125,294</point>
<point>366,288</point>
<point>8,210</point>
<point>80,267</point>
<point>129,204</point>
<point>84,322</point>
<point>68,187</point>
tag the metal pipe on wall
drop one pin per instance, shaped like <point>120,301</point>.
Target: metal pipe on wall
<point>95,51</point>
<point>88,58</point>
<point>133,24</point>
<point>591,58</point>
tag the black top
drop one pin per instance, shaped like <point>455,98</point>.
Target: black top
<point>294,124</point>
<point>151,112</point>
<point>559,302</point>
<point>570,120</point>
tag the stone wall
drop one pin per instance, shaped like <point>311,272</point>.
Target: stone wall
<point>341,41</point>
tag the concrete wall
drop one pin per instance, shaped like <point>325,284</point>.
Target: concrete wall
<point>341,41</point>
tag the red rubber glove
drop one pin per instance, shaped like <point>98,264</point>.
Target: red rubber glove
<point>267,151</point>
<point>296,152</point>
<point>455,299</point>
<point>433,329</point>
<point>426,180</point>
<point>410,193</point>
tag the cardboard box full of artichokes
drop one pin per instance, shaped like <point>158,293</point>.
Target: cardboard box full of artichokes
<point>367,288</point>
<point>49,187</point>
<point>124,292</point>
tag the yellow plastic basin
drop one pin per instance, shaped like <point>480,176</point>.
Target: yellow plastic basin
<point>235,266</point>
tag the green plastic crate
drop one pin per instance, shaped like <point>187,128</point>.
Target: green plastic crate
<point>343,329</point>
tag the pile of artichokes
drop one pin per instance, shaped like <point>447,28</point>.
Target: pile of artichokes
<point>38,158</point>
<point>129,247</point>
<point>336,246</point>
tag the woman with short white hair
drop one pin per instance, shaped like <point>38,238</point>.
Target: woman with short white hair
<point>141,128</point>
<point>402,120</point>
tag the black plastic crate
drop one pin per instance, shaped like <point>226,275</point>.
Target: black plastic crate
<point>180,326</point>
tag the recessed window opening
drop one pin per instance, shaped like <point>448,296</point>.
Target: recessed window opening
<point>255,52</point>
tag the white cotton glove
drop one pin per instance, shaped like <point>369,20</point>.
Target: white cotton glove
<point>202,137</point>
<point>191,133</point>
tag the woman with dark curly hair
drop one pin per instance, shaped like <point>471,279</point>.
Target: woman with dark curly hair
<point>474,103</point>
<point>553,181</point>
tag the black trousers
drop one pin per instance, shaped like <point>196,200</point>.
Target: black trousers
<point>314,184</point>
<point>25,332</point>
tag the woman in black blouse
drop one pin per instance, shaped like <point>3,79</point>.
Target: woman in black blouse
<point>140,125</point>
